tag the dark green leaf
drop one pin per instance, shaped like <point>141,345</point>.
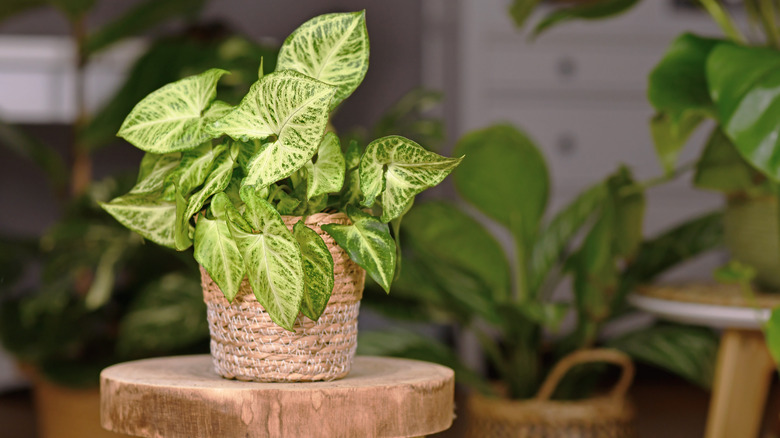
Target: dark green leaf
<point>772,330</point>
<point>745,86</point>
<point>503,176</point>
<point>690,352</point>
<point>592,10</point>
<point>723,169</point>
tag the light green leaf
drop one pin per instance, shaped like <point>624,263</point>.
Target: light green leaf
<point>670,136</point>
<point>154,170</point>
<point>504,176</point>
<point>447,235</point>
<point>195,165</point>
<point>332,48</point>
<point>368,243</point>
<point>272,260</point>
<point>172,118</point>
<point>287,105</point>
<point>399,168</point>
<point>216,181</point>
<point>553,241</point>
<point>217,252</point>
<point>317,271</point>
<point>327,174</point>
<point>182,230</point>
<point>147,214</point>
<point>286,205</point>
<point>352,155</point>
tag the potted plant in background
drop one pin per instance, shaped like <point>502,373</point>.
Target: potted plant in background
<point>89,293</point>
<point>732,82</point>
<point>455,271</point>
<point>273,207</point>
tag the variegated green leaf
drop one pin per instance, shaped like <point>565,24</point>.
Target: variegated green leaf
<point>286,204</point>
<point>147,214</point>
<point>272,260</point>
<point>217,252</point>
<point>172,118</point>
<point>154,170</point>
<point>289,106</point>
<point>195,165</point>
<point>181,228</point>
<point>368,243</point>
<point>327,174</point>
<point>216,181</point>
<point>332,48</point>
<point>399,168</point>
<point>352,155</point>
<point>317,271</point>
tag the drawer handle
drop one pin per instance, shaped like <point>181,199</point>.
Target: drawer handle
<point>566,67</point>
<point>566,144</point>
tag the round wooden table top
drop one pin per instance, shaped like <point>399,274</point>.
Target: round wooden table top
<point>183,397</point>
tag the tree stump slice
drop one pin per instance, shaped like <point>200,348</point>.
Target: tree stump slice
<point>183,397</point>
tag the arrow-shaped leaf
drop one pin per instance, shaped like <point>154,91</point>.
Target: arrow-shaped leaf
<point>172,118</point>
<point>217,252</point>
<point>317,271</point>
<point>289,106</point>
<point>147,214</point>
<point>327,174</point>
<point>410,169</point>
<point>153,171</point>
<point>272,260</point>
<point>368,243</point>
<point>332,48</point>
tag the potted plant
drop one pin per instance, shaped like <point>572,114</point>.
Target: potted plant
<point>282,222</point>
<point>455,271</point>
<point>730,81</point>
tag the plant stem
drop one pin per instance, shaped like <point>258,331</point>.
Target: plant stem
<point>81,162</point>
<point>723,20</point>
<point>767,14</point>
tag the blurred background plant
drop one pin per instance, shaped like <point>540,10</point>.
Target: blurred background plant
<point>89,293</point>
<point>456,272</point>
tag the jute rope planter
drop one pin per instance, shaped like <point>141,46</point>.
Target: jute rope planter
<point>609,416</point>
<point>247,345</point>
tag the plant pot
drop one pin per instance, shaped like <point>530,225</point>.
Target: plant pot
<point>64,412</point>
<point>247,345</point>
<point>609,416</point>
<point>750,227</point>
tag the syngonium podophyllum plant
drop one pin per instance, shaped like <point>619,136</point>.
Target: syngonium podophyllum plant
<point>221,177</point>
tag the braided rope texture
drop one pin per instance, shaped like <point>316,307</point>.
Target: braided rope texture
<point>246,345</point>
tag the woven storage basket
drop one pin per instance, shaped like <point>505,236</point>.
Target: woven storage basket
<point>609,416</point>
<point>247,345</point>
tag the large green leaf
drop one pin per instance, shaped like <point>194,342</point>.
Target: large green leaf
<point>690,352</point>
<point>447,235</point>
<point>172,118</point>
<point>504,176</point>
<point>272,259</point>
<point>592,10</point>
<point>289,106</point>
<point>368,243</point>
<point>216,181</point>
<point>194,166</point>
<point>147,214</point>
<point>154,171</point>
<point>677,89</point>
<point>722,168</point>
<point>182,229</point>
<point>139,18</point>
<point>553,241</point>
<point>217,252</point>
<point>332,48</point>
<point>327,174</point>
<point>399,168</point>
<point>317,270</point>
<point>745,86</point>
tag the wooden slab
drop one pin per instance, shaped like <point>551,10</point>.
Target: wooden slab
<point>184,397</point>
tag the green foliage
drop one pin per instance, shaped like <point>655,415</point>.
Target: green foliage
<point>592,10</point>
<point>772,331</point>
<point>277,160</point>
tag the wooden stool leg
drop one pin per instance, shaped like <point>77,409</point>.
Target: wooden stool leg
<point>742,377</point>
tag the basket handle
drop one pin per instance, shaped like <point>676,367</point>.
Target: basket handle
<point>585,356</point>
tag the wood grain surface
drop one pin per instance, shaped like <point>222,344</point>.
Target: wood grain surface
<point>184,397</point>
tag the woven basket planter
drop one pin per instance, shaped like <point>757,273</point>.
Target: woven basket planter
<point>610,416</point>
<point>247,345</point>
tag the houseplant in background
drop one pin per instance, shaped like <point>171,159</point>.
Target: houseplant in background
<point>89,293</point>
<point>274,209</point>
<point>455,271</point>
<point>732,81</point>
